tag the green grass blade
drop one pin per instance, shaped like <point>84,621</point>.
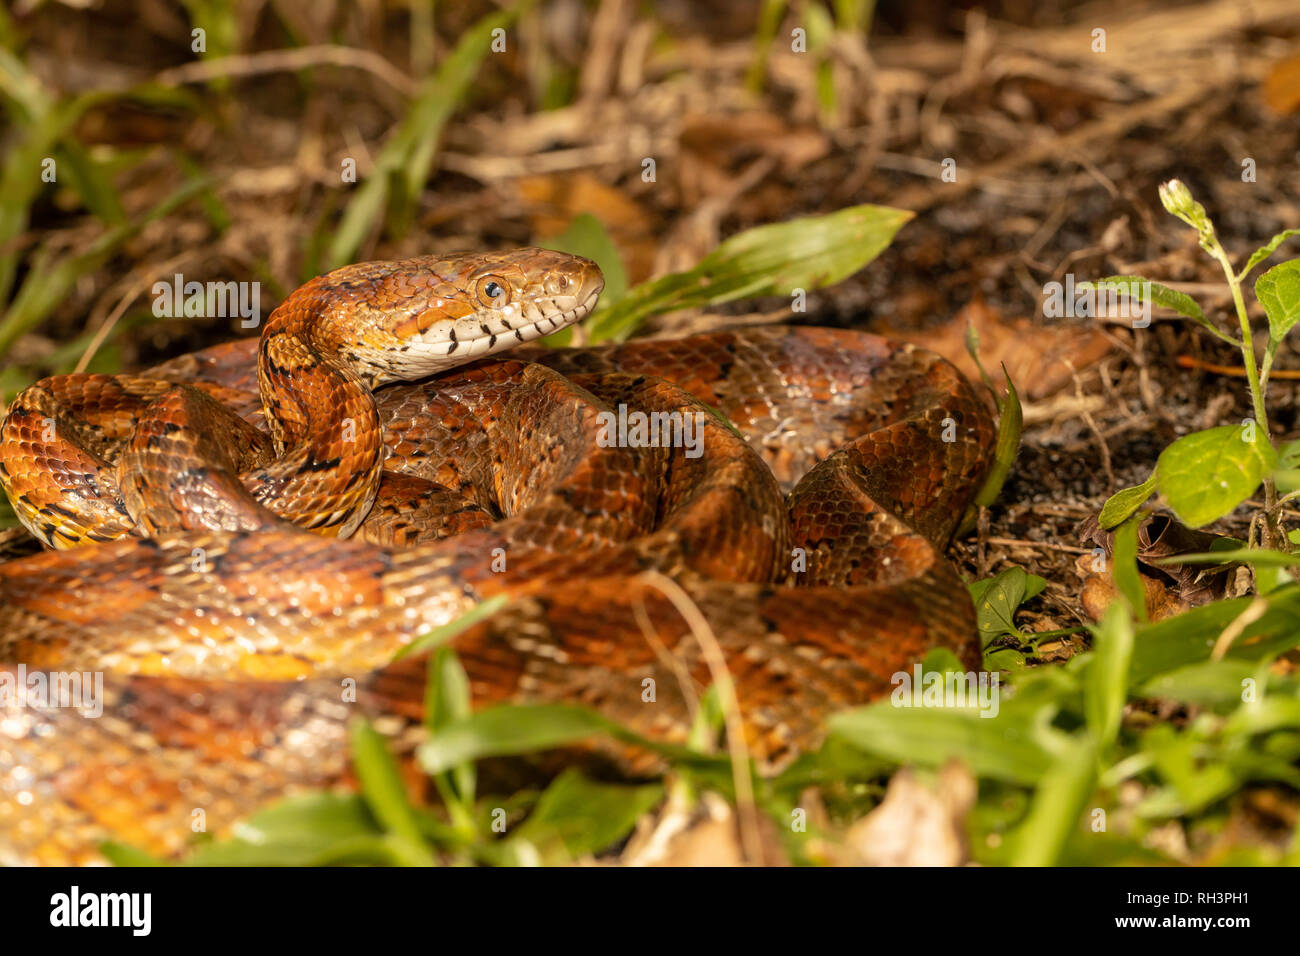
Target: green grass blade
<point>407,158</point>
<point>775,259</point>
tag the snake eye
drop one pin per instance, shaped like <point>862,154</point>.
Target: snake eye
<point>494,291</point>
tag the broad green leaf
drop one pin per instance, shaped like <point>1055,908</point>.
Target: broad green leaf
<point>1125,502</point>
<point>1266,250</point>
<point>1287,475</point>
<point>1278,291</point>
<point>1003,659</point>
<point>123,854</point>
<point>1206,475</point>
<point>775,259</point>
<point>1205,683</point>
<point>997,598</point>
<point>587,236</point>
<point>293,832</point>
<point>1000,747</point>
<point>1105,683</point>
<point>835,760</point>
<point>1270,713</point>
<point>942,661</point>
<point>584,816</point>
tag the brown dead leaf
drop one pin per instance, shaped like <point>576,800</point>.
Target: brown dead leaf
<point>1281,87</point>
<point>1170,588</point>
<point>916,824</point>
<point>705,835</point>
<point>1038,357</point>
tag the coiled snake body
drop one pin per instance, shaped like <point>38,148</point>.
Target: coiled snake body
<point>806,528</point>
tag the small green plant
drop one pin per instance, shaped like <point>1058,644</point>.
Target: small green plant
<point>1208,474</point>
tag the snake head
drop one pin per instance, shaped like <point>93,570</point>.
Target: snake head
<point>410,318</point>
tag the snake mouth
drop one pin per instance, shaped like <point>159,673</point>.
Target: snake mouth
<point>546,324</point>
<point>542,315</point>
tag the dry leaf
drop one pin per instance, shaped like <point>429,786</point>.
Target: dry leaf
<point>1038,357</point>
<point>1282,86</point>
<point>916,824</point>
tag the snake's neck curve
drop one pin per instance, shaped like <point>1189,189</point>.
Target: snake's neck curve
<point>323,422</point>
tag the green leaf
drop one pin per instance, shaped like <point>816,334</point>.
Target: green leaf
<point>583,816</point>
<point>1161,295</point>
<point>1059,800</point>
<point>1105,683</point>
<point>931,737</point>
<point>1010,425</point>
<point>49,281</point>
<point>382,787</point>
<point>517,729</point>
<point>1140,288</point>
<point>587,236</point>
<point>298,831</point>
<point>123,854</point>
<point>1188,638</point>
<point>90,181</point>
<point>1266,250</point>
<point>1193,784</point>
<point>1278,291</point>
<point>1208,683</point>
<point>1128,580</point>
<point>1287,475</point>
<point>1206,475</point>
<point>997,598</point>
<point>1120,506</point>
<point>447,700</point>
<point>1260,556</point>
<point>1004,659</point>
<point>774,259</point>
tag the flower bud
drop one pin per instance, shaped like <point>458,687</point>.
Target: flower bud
<point>1177,200</point>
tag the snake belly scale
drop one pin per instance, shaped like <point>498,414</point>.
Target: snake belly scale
<point>237,534</point>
